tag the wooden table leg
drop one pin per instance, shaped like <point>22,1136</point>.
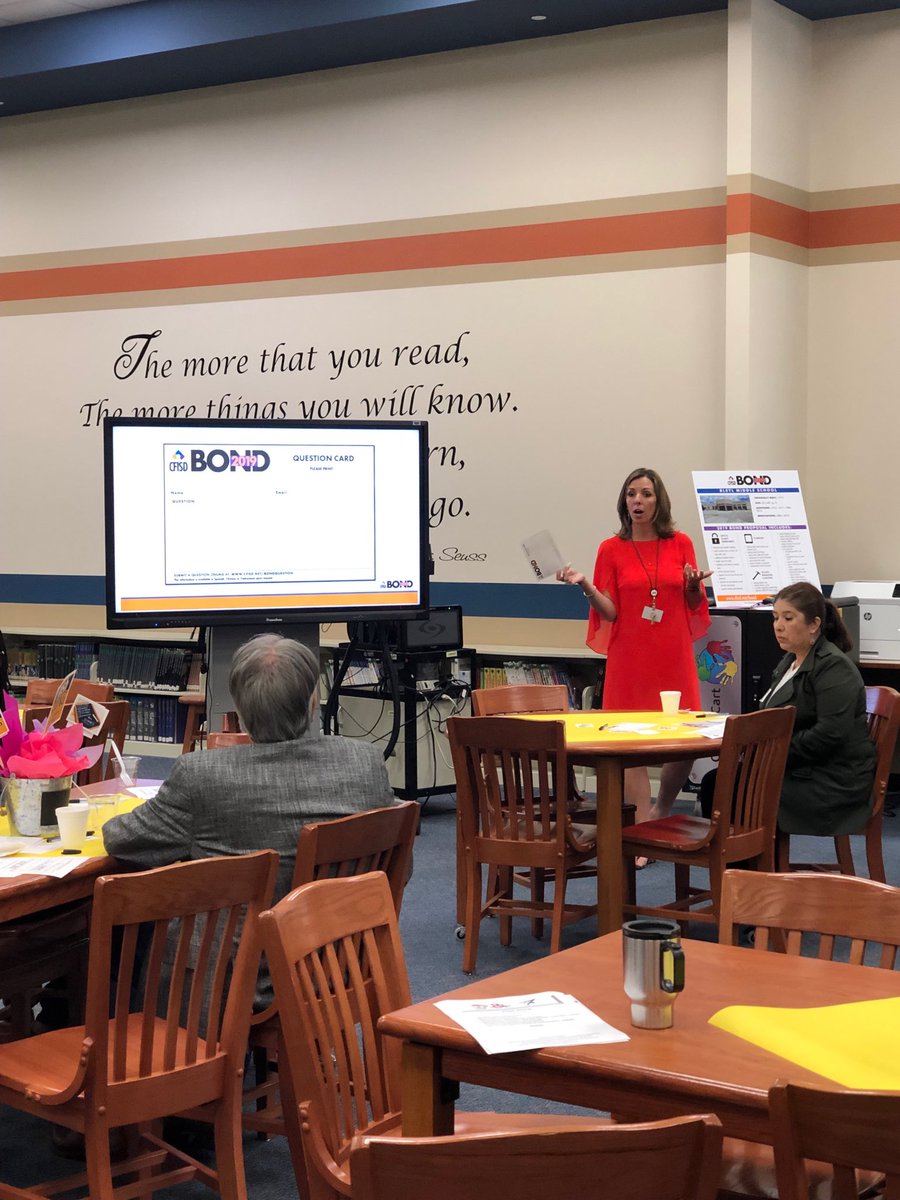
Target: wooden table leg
<point>427,1103</point>
<point>610,793</point>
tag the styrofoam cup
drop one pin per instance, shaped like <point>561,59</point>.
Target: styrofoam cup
<point>670,701</point>
<point>73,822</point>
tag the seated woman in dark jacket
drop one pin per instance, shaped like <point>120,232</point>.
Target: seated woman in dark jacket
<point>827,787</point>
<point>831,764</point>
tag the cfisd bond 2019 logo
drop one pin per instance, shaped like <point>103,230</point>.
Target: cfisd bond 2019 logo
<point>749,480</point>
<point>218,461</point>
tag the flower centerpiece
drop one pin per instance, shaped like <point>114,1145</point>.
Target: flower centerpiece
<point>37,768</point>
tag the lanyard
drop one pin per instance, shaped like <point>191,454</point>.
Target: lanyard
<point>654,579</point>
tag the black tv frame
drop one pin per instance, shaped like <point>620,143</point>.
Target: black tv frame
<point>273,617</point>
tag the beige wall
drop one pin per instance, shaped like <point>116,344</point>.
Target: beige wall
<point>745,354</point>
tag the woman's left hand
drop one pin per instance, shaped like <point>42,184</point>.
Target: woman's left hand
<point>694,579</point>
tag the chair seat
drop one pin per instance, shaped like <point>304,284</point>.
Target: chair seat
<point>679,832</point>
<point>748,1169</point>
<point>44,1063</point>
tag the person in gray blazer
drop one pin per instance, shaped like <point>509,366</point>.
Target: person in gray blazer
<point>254,797</point>
<point>827,786</point>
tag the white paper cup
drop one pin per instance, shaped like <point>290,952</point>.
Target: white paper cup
<point>670,701</point>
<point>73,823</point>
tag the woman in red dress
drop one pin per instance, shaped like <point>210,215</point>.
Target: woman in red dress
<point>648,605</point>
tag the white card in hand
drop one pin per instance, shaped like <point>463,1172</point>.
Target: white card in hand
<point>543,554</point>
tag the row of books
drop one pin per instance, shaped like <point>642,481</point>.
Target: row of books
<point>514,672</point>
<point>51,660</point>
<point>156,719</point>
<point>131,664</point>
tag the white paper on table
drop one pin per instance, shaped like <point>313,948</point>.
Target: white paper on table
<point>146,792</point>
<point>532,1022</point>
<point>634,727</point>
<point>12,868</point>
<point>715,730</point>
<point>39,845</point>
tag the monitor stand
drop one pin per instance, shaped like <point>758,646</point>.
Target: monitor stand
<point>223,640</point>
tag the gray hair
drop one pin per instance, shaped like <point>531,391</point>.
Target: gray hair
<point>272,682</point>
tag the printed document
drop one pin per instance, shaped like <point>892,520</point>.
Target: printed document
<point>507,1023</point>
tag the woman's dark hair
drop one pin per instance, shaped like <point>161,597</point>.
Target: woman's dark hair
<point>809,601</point>
<point>662,518</point>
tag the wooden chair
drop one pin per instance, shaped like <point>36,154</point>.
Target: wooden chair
<point>380,839</point>
<point>43,691</point>
<point>742,826</point>
<point>883,711</point>
<point>782,909</point>
<point>512,788</point>
<point>334,951</point>
<point>195,702</point>
<point>845,1129</point>
<point>515,699</point>
<point>114,728</point>
<point>195,732</point>
<point>135,1067</point>
<point>217,741</point>
<point>663,1160</point>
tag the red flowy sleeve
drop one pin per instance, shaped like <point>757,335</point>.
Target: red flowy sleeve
<point>599,629</point>
<point>698,618</point>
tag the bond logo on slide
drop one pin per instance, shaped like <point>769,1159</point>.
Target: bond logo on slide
<point>228,460</point>
<point>398,583</point>
<point>749,480</point>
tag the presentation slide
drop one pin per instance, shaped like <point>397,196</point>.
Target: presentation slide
<point>226,517</point>
<point>269,490</point>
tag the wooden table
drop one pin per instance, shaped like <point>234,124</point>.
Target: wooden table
<point>35,893</point>
<point>589,742</point>
<point>690,1068</point>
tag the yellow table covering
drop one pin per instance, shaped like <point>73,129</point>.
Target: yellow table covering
<point>93,846</point>
<point>598,725</point>
<point>857,1045</point>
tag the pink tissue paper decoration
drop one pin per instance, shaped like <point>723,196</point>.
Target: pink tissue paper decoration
<point>12,740</point>
<point>47,753</point>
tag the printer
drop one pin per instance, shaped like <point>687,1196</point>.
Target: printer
<point>879,616</point>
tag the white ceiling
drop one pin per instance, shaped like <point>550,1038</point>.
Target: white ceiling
<point>18,12</point>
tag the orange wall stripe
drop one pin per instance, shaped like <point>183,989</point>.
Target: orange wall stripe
<point>855,226</point>
<point>518,243</point>
<point>769,218</point>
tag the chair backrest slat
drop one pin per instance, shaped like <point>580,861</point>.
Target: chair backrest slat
<point>520,698</point>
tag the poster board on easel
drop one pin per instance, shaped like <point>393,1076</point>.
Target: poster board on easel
<point>755,534</point>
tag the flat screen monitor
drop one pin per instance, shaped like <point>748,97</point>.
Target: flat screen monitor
<point>234,522</point>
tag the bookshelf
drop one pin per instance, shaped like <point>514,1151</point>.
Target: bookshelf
<point>148,671</point>
<point>578,669</point>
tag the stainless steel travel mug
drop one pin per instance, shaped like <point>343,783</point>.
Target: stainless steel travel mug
<point>654,970</point>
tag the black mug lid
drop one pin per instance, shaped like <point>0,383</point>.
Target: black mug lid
<point>648,929</point>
